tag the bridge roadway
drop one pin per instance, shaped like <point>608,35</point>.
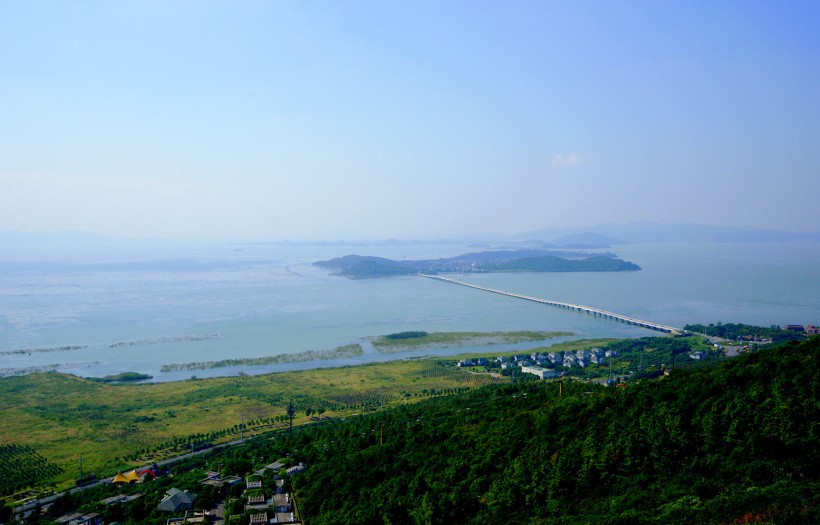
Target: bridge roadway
<point>597,312</point>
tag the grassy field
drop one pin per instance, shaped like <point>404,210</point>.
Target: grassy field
<point>120,426</point>
<point>388,345</point>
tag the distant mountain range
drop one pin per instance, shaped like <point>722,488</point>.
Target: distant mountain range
<point>601,236</point>
<point>652,232</point>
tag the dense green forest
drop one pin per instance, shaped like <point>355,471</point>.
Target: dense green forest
<point>733,443</point>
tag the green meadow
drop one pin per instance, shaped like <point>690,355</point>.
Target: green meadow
<point>121,426</point>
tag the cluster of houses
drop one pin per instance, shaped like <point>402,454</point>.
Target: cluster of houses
<point>278,508</point>
<point>579,358</point>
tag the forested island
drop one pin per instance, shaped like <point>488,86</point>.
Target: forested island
<point>361,266</point>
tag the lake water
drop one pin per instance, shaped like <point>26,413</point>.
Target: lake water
<point>243,301</point>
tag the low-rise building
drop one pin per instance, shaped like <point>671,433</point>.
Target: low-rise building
<point>542,373</point>
<point>262,517</point>
<point>295,470</point>
<point>281,503</point>
<point>80,519</point>
<point>176,500</point>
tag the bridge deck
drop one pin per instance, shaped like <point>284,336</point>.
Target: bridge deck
<point>570,306</point>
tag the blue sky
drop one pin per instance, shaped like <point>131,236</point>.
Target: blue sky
<point>374,119</point>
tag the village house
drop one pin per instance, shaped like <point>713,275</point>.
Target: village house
<point>176,500</point>
<point>215,479</point>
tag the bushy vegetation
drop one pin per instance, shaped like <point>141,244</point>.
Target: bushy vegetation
<point>406,335</point>
<point>736,331</point>
<point>123,377</point>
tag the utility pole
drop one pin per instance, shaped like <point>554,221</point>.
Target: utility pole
<point>381,434</point>
<point>291,412</point>
<point>81,469</point>
<point>242,426</point>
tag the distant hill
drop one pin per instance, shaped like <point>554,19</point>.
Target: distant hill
<point>550,263</point>
<point>585,240</point>
<point>359,266</point>
<point>652,232</point>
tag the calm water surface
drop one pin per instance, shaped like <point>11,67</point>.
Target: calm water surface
<point>263,300</point>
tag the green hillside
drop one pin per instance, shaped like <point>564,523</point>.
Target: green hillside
<point>729,444</point>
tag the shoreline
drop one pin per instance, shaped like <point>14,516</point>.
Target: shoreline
<point>476,343</point>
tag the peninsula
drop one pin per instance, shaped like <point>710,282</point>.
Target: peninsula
<point>361,266</point>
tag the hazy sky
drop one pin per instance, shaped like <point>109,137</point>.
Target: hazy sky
<point>357,119</point>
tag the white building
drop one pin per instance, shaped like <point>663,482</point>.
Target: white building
<point>542,373</point>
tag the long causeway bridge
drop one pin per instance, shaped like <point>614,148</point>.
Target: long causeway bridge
<point>596,312</point>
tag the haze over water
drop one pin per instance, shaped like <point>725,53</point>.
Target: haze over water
<point>266,299</point>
